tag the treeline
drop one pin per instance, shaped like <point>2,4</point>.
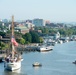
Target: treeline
<point>31,37</point>
<point>66,31</point>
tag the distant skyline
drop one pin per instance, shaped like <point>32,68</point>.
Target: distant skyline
<point>53,10</point>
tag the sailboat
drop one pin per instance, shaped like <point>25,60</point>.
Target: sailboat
<point>13,60</point>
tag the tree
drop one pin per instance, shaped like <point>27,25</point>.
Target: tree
<point>3,46</point>
<point>46,30</point>
<point>22,41</point>
<point>35,37</point>
<point>52,31</point>
<point>28,37</point>
<point>2,34</point>
<point>41,39</point>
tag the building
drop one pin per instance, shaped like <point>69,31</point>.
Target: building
<point>47,22</point>
<point>22,29</point>
<point>30,21</point>
<point>29,25</point>
<point>39,22</point>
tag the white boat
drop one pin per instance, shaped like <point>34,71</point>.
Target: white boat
<point>12,65</point>
<point>60,41</point>
<point>37,64</point>
<point>45,47</point>
<point>13,60</point>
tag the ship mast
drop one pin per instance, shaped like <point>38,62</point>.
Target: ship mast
<point>12,36</point>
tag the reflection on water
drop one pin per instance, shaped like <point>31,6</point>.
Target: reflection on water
<point>46,52</point>
<point>36,68</point>
<point>15,72</point>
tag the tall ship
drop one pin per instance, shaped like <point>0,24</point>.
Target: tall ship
<point>13,60</point>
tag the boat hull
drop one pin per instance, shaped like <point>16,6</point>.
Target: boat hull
<point>42,49</point>
<point>36,64</point>
<point>12,65</point>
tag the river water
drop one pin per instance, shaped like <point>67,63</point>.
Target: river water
<point>55,62</point>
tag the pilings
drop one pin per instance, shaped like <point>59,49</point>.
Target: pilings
<point>28,48</point>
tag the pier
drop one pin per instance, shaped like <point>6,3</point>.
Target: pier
<point>28,48</point>
<point>1,57</point>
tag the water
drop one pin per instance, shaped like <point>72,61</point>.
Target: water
<point>56,62</point>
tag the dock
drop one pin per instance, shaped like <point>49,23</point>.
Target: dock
<point>28,48</point>
<point>1,57</point>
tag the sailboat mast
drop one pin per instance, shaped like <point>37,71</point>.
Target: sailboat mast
<point>12,36</point>
<point>12,25</point>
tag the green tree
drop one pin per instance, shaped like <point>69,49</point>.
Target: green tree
<point>28,37</point>
<point>46,30</point>
<point>52,31</point>
<point>35,37</point>
<point>22,41</point>
<point>41,39</point>
<point>3,46</point>
<point>2,34</point>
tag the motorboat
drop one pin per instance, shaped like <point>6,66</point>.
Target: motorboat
<point>37,64</point>
<point>74,62</point>
<point>45,47</point>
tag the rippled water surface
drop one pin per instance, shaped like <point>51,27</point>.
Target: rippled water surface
<point>55,62</point>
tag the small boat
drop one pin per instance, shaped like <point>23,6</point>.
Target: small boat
<point>74,62</point>
<point>37,64</point>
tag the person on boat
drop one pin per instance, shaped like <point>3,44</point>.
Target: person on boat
<point>15,59</point>
<point>8,58</point>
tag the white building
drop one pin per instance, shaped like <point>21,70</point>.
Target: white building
<point>29,25</point>
<point>22,29</point>
<point>39,22</point>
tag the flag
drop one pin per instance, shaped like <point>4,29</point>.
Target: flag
<point>14,41</point>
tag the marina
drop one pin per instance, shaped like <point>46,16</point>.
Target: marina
<point>59,61</point>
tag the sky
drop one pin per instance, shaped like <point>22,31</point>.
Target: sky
<point>52,10</point>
